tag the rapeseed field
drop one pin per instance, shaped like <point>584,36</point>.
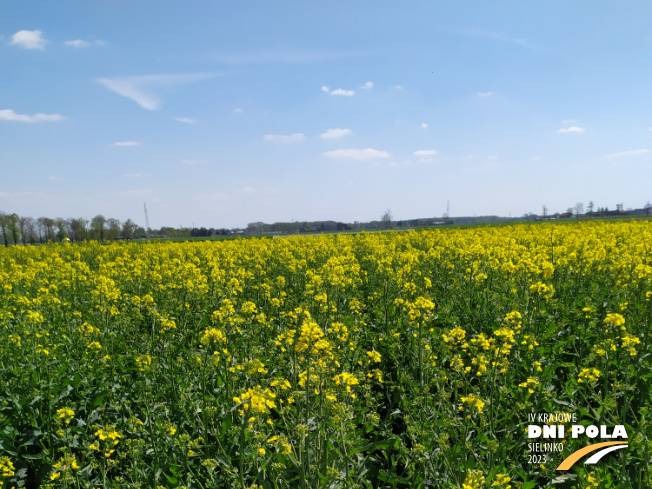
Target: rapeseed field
<point>393,360</point>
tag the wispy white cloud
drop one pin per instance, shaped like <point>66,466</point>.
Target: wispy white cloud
<point>126,143</point>
<point>633,152</point>
<point>424,125</point>
<point>425,152</point>
<point>357,154</point>
<point>127,88</point>
<point>77,43</point>
<point>342,92</point>
<point>289,56</point>
<point>397,87</point>
<point>497,37</point>
<point>80,43</point>
<point>136,175</point>
<point>185,120</point>
<point>485,94</point>
<point>134,192</point>
<point>367,85</point>
<point>339,91</point>
<point>137,88</point>
<point>53,178</point>
<point>192,162</point>
<point>29,39</point>
<point>335,133</point>
<point>10,115</point>
<point>284,138</point>
<point>425,155</point>
<point>572,129</point>
<point>238,110</point>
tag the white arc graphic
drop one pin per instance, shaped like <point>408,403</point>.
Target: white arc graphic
<point>595,458</point>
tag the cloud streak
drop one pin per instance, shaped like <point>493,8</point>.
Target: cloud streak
<point>633,152</point>
<point>77,43</point>
<point>357,154</point>
<point>335,133</point>
<point>137,88</point>
<point>283,138</point>
<point>10,115</point>
<point>80,43</point>
<point>126,143</point>
<point>339,92</point>
<point>479,33</point>
<point>344,93</point>
<point>572,129</point>
<point>185,120</point>
<point>292,56</point>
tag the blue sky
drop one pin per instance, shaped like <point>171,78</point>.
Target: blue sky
<point>224,113</point>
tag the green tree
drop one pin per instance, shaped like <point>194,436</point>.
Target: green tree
<point>113,228</point>
<point>386,219</point>
<point>30,229</point>
<point>128,228</point>
<point>4,226</point>
<point>98,225</point>
<point>62,232</point>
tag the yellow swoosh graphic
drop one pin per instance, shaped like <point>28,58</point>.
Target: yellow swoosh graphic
<point>575,456</point>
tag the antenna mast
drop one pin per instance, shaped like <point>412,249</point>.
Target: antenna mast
<point>146,218</point>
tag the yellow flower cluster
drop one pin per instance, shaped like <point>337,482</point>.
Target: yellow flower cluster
<point>212,335</point>
<point>6,467</point>
<point>346,379</point>
<point>543,290</point>
<point>256,399</point>
<point>473,401</point>
<point>65,464</point>
<point>530,384</point>
<point>474,480</point>
<point>502,481</point>
<point>588,375</point>
<point>65,414</point>
<point>107,436</point>
<point>144,362</point>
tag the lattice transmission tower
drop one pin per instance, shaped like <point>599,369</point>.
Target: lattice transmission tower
<point>146,219</point>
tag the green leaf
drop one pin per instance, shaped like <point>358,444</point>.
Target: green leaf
<point>98,400</point>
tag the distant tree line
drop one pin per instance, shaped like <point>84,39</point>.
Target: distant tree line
<point>577,210</point>
<point>24,230</point>
<point>205,233</point>
<point>17,229</point>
